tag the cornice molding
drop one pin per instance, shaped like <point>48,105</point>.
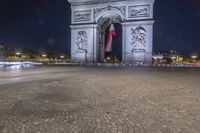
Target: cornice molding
<point>86,2</point>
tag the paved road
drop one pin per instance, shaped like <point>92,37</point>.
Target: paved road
<point>99,100</point>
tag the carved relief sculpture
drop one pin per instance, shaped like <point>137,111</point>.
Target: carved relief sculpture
<point>82,40</point>
<point>138,40</point>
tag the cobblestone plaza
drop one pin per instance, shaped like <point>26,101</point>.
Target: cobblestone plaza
<point>99,100</point>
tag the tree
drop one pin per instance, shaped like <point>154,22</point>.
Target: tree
<point>30,53</point>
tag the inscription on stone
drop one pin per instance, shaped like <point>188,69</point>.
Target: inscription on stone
<point>82,16</point>
<point>139,11</point>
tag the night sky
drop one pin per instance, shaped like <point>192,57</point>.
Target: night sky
<point>45,24</point>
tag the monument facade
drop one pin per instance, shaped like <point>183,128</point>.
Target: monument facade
<point>90,19</point>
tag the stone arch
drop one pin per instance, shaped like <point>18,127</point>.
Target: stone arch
<point>104,20</point>
<point>111,12</point>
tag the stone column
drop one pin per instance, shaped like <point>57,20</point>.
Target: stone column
<point>84,43</point>
<point>137,41</point>
<point>124,25</point>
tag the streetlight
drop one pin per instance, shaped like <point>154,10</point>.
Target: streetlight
<point>173,57</point>
<point>132,55</point>
<point>194,57</point>
<point>86,55</point>
<point>62,56</point>
<point>44,55</point>
<point>18,53</point>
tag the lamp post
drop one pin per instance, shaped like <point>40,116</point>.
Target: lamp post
<point>62,57</point>
<point>86,55</point>
<point>173,58</point>
<point>194,57</point>
<point>18,54</point>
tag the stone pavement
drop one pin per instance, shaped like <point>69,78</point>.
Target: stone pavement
<point>99,100</point>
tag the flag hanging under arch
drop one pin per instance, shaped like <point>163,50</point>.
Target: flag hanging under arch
<point>110,34</point>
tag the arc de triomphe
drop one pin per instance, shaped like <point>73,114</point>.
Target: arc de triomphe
<point>90,18</point>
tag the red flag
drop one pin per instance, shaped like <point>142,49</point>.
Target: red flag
<point>110,34</point>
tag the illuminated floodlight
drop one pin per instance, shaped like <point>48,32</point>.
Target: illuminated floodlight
<point>194,56</point>
<point>44,55</point>
<point>173,57</point>
<point>62,56</point>
<point>18,53</point>
<point>108,58</point>
<point>156,57</point>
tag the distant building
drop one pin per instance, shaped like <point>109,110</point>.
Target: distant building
<point>167,57</point>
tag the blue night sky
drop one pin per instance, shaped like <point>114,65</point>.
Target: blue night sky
<point>45,24</point>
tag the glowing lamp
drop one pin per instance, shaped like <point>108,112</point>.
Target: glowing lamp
<point>194,56</point>
<point>44,55</point>
<point>18,53</point>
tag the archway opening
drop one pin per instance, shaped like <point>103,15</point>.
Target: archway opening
<point>116,52</point>
<point>104,23</point>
